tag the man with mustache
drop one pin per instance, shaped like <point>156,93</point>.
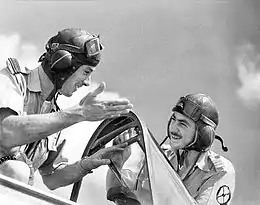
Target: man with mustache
<point>208,177</point>
<point>30,118</point>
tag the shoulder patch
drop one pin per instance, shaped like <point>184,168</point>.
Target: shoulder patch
<point>15,69</point>
<point>223,195</point>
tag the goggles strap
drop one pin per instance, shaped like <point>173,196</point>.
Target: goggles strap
<point>67,47</point>
<point>87,49</point>
<point>208,121</point>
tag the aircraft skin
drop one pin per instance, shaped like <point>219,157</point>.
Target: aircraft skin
<point>14,192</point>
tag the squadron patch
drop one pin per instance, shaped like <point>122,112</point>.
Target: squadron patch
<point>223,195</point>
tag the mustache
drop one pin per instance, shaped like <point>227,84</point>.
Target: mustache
<point>174,134</point>
<point>85,84</point>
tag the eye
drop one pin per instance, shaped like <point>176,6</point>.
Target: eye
<point>183,124</point>
<point>87,72</point>
<point>173,118</point>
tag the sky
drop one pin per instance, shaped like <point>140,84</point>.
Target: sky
<point>155,52</point>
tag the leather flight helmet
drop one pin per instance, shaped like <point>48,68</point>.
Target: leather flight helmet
<point>67,51</point>
<point>202,110</point>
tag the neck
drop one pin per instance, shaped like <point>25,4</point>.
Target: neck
<point>46,84</point>
<point>192,155</point>
<point>187,163</point>
<point>188,157</point>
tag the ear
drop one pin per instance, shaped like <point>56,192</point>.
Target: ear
<point>61,60</point>
<point>206,136</point>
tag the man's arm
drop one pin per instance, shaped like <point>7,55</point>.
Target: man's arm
<point>64,175</point>
<point>218,189</point>
<point>20,130</point>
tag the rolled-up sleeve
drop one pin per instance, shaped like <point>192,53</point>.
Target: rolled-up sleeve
<point>55,160</point>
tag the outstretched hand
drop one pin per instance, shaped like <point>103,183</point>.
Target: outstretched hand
<point>122,157</point>
<point>95,110</point>
<point>102,157</point>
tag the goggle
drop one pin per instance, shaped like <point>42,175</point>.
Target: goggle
<point>90,48</point>
<point>192,110</point>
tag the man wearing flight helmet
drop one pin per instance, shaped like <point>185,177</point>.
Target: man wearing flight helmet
<point>208,177</point>
<point>30,116</point>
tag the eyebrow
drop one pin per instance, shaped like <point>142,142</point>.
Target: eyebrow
<point>92,68</point>
<point>181,120</point>
<point>89,68</point>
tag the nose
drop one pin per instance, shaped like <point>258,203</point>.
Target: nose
<point>173,126</point>
<point>87,81</point>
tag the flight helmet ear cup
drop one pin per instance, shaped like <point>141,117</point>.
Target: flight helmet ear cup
<point>204,139</point>
<point>61,60</point>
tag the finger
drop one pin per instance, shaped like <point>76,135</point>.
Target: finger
<point>126,135</point>
<point>116,140</point>
<point>112,149</point>
<point>94,93</point>
<point>84,98</point>
<point>115,148</point>
<point>122,145</point>
<point>131,132</point>
<point>122,137</point>
<point>116,113</point>
<point>121,101</point>
<point>112,152</point>
<point>104,162</point>
<point>99,89</point>
<point>119,107</point>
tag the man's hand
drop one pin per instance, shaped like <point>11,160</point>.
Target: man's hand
<point>95,110</point>
<point>122,157</point>
<point>102,157</point>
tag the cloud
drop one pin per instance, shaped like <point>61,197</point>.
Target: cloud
<point>248,65</point>
<point>11,46</point>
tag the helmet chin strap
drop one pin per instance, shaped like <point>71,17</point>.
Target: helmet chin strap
<point>46,68</point>
<point>194,140</point>
<point>47,105</point>
<point>57,79</point>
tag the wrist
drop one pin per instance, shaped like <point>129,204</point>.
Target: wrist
<point>76,113</point>
<point>84,166</point>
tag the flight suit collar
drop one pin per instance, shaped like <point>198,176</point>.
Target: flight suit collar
<point>34,83</point>
<point>205,161</point>
<point>36,78</point>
